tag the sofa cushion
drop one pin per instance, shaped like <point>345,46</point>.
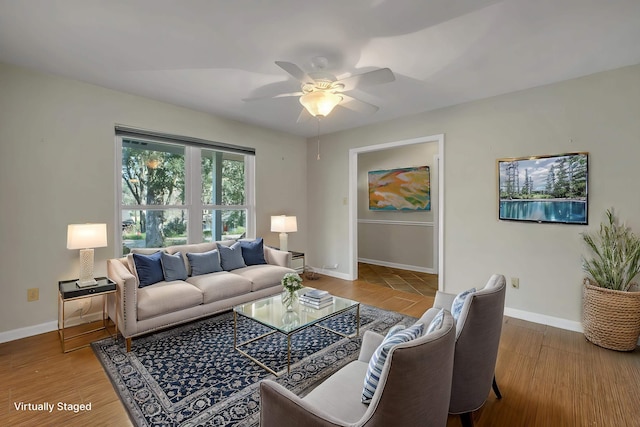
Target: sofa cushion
<point>204,263</point>
<point>221,285</point>
<point>231,257</point>
<point>253,251</point>
<point>166,297</point>
<point>173,267</point>
<point>339,395</point>
<point>379,357</point>
<point>146,251</point>
<point>148,268</point>
<point>195,248</point>
<point>263,276</point>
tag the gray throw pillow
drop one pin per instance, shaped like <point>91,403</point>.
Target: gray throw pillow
<point>231,256</point>
<point>173,267</point>
<point>204,263</point>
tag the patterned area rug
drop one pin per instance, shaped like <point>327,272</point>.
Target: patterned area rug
<point>191,376</point>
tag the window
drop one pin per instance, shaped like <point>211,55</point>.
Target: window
<point>175,192</point>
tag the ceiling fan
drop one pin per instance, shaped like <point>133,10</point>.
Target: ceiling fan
<point>321,91</point>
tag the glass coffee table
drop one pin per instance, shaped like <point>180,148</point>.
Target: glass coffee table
<point>271,313</point>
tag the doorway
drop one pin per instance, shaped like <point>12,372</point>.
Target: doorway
<point>437,204</point>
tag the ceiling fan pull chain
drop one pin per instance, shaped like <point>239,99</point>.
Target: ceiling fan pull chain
<point>318,157</point>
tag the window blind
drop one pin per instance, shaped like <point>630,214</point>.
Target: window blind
<point>130,132</point>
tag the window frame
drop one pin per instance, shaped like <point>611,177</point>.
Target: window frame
<point>193,205</point>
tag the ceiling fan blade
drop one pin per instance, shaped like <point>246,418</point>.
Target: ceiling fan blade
<point>376,77</point>
<point>304,116</point>
<point>281,95</point>
<point>295,71</point>
<point>357,105</point>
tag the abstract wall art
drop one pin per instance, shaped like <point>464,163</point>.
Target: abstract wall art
<point>403,189</point>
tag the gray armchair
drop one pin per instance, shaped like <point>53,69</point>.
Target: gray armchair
<point>478,332</point>
<point>413,389</point>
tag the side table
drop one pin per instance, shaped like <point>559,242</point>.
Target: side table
<point>297,261</point>
<point>69,291</point>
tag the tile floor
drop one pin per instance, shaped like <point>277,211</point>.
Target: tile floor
<point>401,280</point>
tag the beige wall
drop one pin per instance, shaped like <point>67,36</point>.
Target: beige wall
<point>597,113</point>
<point>398,238</point>
<point>57,166</point>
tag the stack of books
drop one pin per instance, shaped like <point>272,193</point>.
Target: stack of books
<point>316,298</point>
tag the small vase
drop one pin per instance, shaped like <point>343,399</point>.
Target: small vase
<point>289,299</point>
<point>290,320</point>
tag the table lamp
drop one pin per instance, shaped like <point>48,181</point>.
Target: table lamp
<point>284,224</point>
<point>86,237</point>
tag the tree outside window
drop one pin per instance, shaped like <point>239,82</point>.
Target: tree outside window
<point>154,205</point>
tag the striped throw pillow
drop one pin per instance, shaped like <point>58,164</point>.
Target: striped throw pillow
<point>458,302</point>
<point>379,356</point>
<point>436,322</point>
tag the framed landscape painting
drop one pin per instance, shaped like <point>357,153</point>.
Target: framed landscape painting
<point>400,189</point>
<point>550,189</point>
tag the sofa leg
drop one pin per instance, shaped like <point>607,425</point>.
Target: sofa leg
<point>467,419</point>
<point>496,390</point>
<point>128,340</point>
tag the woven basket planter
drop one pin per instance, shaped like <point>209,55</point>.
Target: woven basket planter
<point>611,319</point>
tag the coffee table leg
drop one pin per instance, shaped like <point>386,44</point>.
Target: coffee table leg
<point>235,330</point>
<point>358,320</point>
<point>288,354</point>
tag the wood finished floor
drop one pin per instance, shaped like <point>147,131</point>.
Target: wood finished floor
<point>548,376</point>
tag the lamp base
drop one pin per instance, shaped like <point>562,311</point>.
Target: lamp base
<point>86,269</point>
<point>283,242</point>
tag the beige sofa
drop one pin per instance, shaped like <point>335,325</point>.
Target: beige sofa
<point>164,304</point>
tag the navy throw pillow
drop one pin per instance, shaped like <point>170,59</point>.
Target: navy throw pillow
<point>149,268</point>
<point>231,257</point>
<point>173,267</point>
<point>253,251</point>
<point>204,263</point>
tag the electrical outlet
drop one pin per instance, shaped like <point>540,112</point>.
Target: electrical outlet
<point>515,282</point>
<point>33,294</point>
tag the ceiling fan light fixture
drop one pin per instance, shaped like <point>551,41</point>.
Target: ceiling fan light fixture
<point>320,103</point>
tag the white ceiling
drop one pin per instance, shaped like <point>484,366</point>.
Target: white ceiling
<point>210,54</point>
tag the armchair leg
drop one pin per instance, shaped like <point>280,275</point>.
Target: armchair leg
<point>496,390</point>
<point>128,340</point>
<point>467,419</point>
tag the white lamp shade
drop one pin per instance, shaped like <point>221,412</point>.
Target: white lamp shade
<point>284,224</point>
<point>320,103</point>
<point>83,236</point>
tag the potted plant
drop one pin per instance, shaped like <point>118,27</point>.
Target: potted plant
<point>291,282</point>
<point>611,303</point>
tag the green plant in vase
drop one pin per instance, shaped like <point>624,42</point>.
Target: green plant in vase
<point>292,283</point>
<point>611,301</point>
<point>616,259</point>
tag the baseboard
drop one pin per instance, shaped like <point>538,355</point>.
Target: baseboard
<point>556,322</point>
<point>398,266</point>
<point>28,331</point>
<point>42,328</point>
<point>332,273</point>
